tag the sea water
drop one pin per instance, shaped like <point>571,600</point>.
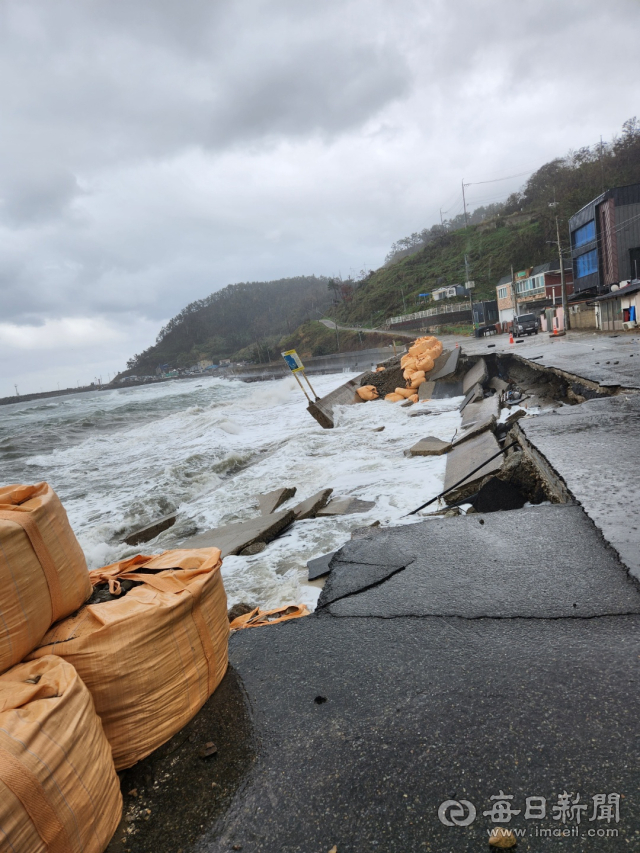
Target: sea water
<point>206,448</point>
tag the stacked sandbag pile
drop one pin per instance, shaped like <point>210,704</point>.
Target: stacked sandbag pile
<point>401,378</point>
<point>59,792</point>
<point>58,787</point>
<point>416,364</point>
<point>153,652</point>
<point>104,682</point>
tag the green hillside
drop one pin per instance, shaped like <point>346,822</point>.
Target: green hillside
<point>246,317</point>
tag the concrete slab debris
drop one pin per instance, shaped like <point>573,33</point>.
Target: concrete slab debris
<point>319,567</point>
<point>446,364</point>
<point>479,416</point>
<point>425,391</point>
<point>233,538</point>
<point>461,461</point>
<point>309,507</point>
<point>477,375</point>
<point>498,385</point>
<point>430,446</point>
<point>445,389</point>
<point>475,567</point>
<point>473,394</point>
<point>346,506</point>
<point>150,531</point>
<point>270,501</point>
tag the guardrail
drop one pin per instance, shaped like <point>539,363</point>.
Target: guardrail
<point>430,312</point>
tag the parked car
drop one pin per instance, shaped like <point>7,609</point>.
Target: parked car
<point>525,324</point>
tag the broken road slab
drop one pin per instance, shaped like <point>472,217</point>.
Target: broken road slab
<point>270,501</point>
<point>345,506</point>
<point>430,446</point>
<point>479,416</point>
<point>476,375</point>
<point>309,507</point>
<point>319,567</point>
<point>468,566</point>
<point>233,538</point>
<point>150,531</point>
<point>463,458</point>
<point>446,388</point>
<point>446,364</point>
<point>595,448</point>
<point>425,391</point>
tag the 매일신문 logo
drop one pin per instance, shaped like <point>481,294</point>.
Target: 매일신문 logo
<point>454,813</point>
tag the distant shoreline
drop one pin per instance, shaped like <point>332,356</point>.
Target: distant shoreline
<point>64,392</point>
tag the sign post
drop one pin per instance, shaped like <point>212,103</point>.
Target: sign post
<point>295,365</point>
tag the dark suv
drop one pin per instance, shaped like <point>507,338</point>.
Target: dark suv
<point>525,324</point>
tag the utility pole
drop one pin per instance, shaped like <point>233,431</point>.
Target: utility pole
<point>563,287</point>
<point>17,392</point>
<point>464,202</point>
<point>466,269</point>
<point>513,294</point>
<point>441,219</point>
<point>601,165</point>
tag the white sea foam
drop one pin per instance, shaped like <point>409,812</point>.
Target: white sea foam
<point>209,449</point>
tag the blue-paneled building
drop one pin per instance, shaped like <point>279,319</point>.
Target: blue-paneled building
<point>605,240</point>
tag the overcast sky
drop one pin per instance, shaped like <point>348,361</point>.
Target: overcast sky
<point>153,152</point>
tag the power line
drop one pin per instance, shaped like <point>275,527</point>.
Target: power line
<point>497,180</point>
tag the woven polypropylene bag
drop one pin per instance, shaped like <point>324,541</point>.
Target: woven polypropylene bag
<point>59,792</point>
<point>152,657</point>
<point>43,572</point>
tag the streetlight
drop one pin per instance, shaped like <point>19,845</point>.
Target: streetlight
<point>563,287</point>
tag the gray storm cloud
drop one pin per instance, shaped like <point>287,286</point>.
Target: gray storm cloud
<point>154,152</point>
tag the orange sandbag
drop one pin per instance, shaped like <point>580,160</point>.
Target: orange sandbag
<point>367,392</point>
<point>43,572</point>
<point>380,369</point>
<point>153,656</point>
<point>394,398</point>
<point>256,618</point>
<point>414,398</point>
<point>59,792</point>
<point>425,363</point>
<point>408,362</point>
<point>404,392</point>
<point>417,379</point>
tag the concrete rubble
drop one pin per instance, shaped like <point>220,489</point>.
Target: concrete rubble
<point>310,507</point>
<point>233,538</point>
<point>320,566</point>
<point>430,446</point>
<point>345,506</point>
<point>463,459</point>
<point>150,531</point>
<point>270,502</point>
